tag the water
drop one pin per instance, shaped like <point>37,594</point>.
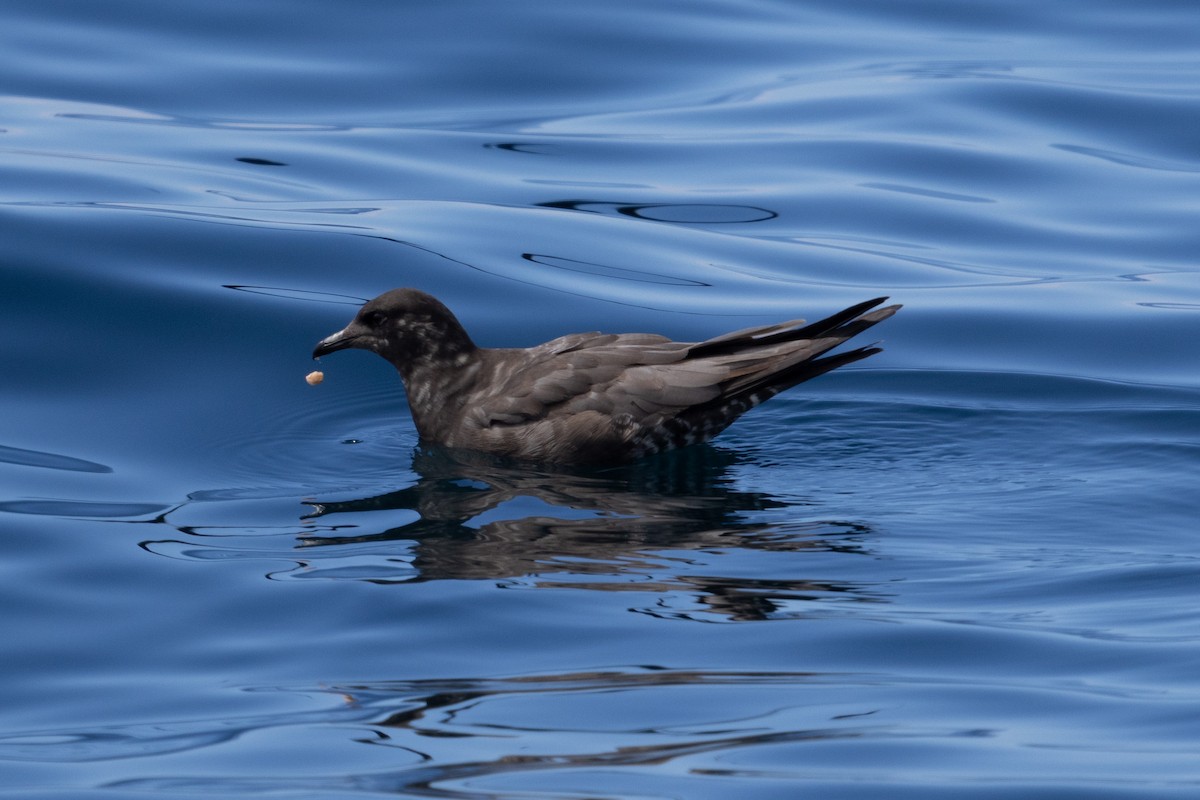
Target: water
<point>964,568</point>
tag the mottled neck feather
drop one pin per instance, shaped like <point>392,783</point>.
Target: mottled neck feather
<point>428,343</point>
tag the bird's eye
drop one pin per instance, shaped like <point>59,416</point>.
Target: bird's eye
<point>374,319</point>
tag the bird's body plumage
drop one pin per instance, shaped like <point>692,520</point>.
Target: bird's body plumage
<point>589,398</point>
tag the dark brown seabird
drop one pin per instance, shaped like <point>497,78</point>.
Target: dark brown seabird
<point>589,398</point>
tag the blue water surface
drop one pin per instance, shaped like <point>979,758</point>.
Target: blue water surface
<point>965,568</point>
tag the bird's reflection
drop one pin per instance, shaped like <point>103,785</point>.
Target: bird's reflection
<point>687,488</point>
<point>480,518</point>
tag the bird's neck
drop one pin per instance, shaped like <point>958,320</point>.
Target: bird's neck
<point>428,346</point>
<point>438,387</point>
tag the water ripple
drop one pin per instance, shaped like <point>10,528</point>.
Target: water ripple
<point>37,458</point>
<point>506,737</point>
<point>1129,159</point>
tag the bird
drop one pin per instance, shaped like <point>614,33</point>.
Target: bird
<point>589,399</point>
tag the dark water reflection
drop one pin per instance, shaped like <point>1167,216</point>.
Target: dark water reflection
<point>682,213</point>
<point>442,737</point>
<point>605,523</point>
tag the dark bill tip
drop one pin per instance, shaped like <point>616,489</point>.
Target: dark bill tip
<point>333,343</point>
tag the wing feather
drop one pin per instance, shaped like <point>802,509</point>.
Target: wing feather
<point>640,376</point>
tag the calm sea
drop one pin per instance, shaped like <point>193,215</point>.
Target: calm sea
<point>966,568</point>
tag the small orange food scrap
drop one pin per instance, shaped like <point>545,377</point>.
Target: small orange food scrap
<point>315,377</point>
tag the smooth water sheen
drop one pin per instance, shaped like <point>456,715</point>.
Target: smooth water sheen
<point>966,568</point>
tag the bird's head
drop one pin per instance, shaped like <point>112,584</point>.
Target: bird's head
<point>407,327</point>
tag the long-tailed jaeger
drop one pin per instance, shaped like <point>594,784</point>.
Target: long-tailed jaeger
<point>589,398</point>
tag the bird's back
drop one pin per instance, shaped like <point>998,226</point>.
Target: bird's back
<point>612,397</point>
